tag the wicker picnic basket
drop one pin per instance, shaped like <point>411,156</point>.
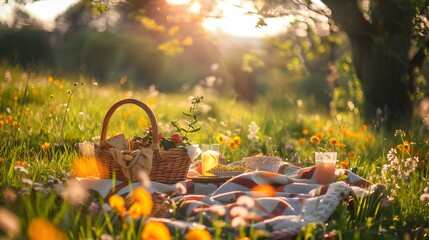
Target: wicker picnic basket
<point>168,167</point>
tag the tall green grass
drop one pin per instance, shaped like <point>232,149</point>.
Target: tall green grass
<point>43,116</point>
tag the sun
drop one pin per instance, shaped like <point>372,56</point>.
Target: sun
<point>236,18</point>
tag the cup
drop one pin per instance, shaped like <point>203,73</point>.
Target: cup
<point>209,158</point>
<point>325,167</point>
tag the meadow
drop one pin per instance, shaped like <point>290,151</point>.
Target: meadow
<point>42,117</point>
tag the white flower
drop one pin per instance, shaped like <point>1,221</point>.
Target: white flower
<point>74,192</point>
<point>218,210</point>
<point>246,201</point>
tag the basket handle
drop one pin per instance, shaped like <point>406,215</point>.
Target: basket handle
<point>149,112</point>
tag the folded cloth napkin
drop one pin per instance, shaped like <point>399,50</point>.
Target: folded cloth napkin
<point>133,162</point>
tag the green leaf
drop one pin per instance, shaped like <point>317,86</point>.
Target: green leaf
<point>194,130</point>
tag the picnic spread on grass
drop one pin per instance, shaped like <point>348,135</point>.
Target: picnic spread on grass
<point>187,193</point>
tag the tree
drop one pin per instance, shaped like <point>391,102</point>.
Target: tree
<point>389,41</point>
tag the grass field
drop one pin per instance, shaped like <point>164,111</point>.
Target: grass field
<point>42,117</point>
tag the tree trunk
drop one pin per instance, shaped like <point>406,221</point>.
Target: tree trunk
<point>380,50</point>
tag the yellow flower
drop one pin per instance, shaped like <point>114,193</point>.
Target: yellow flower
<point>198,234</point>
<point>405,147</point>
<point>143,203</point>
<point>315,139</point>
<point>234,142</point>
<point>220,138</point>
<point>46,146</point>
<point>155,231</point>
<point>117,202</point>
<point>43,229</point>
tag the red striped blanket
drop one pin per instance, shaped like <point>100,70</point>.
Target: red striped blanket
<point>295,202</point>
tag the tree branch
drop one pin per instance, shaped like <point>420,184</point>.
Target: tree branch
<point>348,15</point>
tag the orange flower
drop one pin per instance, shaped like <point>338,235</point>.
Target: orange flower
<point>46,146</point>
<point>264,190</point>
<point>198,234</point>
<point>333,141</point>
<point>143,203</point>
<point>305,132</point>
<point>19,163</point>
<point>117,202</point>
<point>155,231</point>
<point>344,163</point>
<point>43,229</point>
<point>301,141</point>
<point>319,135</point>
<point>341,145</point>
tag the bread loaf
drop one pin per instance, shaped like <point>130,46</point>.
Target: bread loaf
<point>118,141</point>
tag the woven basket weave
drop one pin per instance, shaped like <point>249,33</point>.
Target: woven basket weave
<point>167,166</point>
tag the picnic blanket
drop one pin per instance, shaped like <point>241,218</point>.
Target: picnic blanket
<point>296,201</point>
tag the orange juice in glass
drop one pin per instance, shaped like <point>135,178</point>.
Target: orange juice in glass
<point>325,167</point>
<point>209,158</point>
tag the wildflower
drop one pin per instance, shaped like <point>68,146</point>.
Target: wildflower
<point>46,146</point>
<point>344,163</point>
<point>264,191</point>
<point>142,201</point>
<point>198,234</point>
<point>27,181</point>
<point>253,132</point>
<point>315,139</point>
<point>333,142</point>
<point>238,222</point>
<point>117,203</point>
<point>43,229</point>
<point>234,142</point>
<point>289,147</point>
<point>137,210</point>
<point>155,231</point>
<point>9,194</point>
<point>219,210</point>
<point>220,138</point>
<point>301,141</point>
<point>9,223</point>
<point>246,201</point>
<point>106,236</point>
<point>74,193</point>
<point>21,169</point>
<point>19,163</point>
<point>425,196</point>
<point>93,208</point>
<point>404,147</point>
<point>176,138</point>
<point>305,132</point>
<point>238,211</point>
<point>181,188</point>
